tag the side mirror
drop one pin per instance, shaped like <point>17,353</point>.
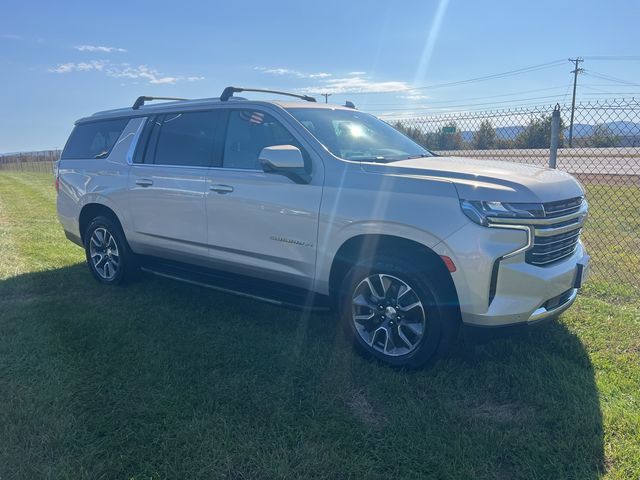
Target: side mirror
<point>285,160</point>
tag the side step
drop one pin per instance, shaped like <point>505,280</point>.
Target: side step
<point>239,285</point>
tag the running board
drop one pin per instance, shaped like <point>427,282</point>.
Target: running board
<point>264,291</point>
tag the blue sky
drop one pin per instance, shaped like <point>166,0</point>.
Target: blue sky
<point>63,60</point>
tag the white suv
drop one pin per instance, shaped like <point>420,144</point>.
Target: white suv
<point>319,206</point>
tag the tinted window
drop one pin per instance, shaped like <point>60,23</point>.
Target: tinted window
<point>248,132</point>
<point>153,133</point>
<point>354,135</point>
<point>139,155</point>
<point>93,140</point>
<point>188,139</point>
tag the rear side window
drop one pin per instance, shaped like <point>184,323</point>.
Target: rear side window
<point>186,139</point>
<point>93,140</point>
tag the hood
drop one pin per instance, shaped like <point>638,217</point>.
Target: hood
<point>487,180</point>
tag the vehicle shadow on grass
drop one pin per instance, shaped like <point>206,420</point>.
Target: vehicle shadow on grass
<point>161,378</point>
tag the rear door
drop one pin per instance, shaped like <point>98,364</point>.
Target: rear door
<point>263,224</point>
<point>167,183</point>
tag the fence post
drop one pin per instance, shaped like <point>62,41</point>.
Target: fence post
<point>555,136</point>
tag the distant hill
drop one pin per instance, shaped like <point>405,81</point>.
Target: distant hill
<point>619,128</point>
<point>580,130</point>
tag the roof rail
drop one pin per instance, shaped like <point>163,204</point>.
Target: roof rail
<point>229,91</point>
<point>140,100</point>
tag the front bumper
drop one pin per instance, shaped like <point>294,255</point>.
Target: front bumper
<point>528,294</point>
<point>477,334</point>
<point>546,312</point>
<point>494,291</point>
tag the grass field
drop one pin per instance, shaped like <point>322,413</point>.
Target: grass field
<point>165,380</point>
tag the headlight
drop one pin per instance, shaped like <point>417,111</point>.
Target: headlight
<point>479,211</point>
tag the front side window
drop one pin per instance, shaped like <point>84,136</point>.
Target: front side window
<point>185,139</point>
<point>248,132</point>
<point>93,140</point>
<point>358,136</point>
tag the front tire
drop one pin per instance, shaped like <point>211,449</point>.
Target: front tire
<point>397,314</point>
<point>109,257</point>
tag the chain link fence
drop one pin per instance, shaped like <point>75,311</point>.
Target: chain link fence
<point>602,150</point>
<point>30,161</point>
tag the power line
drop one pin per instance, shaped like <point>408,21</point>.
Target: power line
<point>505,111</point>
<point>608,92</point>
<point>609,78</point>
<point>606,84</point>
<point>614,57</point>
<point>510,73</point>
<point>594,88</point>
<point>367,104</point>
<point>564,98</point>
<point>469,104</point>
<point>473,110</point>
<point>611,93</point>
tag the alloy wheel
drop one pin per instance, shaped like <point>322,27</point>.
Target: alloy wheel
<point>104,253</point>
<point>388,314</point>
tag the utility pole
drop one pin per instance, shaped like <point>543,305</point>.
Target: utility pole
<point>326,96</point>
<point>577,61</point>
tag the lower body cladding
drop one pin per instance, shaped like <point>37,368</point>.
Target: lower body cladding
<point>499,292</point>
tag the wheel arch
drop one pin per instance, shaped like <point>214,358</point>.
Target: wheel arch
<point>91,211</point>
<point>369,246</point>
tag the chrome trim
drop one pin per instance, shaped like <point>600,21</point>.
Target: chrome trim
<point>134,142</point>
<point>538,264</point>
<point>555,212</point>
<point>170,166</point>
<point>541,221</point>
<point>221,188</point>
<point>236,169</point>
<point>524,228</point>
<point>550,232</point>
<point>572,245</point>
<point>571,237</point>
<point>225,169</point>
<point>542,313</point>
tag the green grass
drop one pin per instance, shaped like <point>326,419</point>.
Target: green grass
<point>612,237</point>
<point>165,380</point>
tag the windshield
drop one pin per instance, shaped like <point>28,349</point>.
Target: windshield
<point>358,136</point>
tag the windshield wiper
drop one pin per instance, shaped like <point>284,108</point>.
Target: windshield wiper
<point>371,159</point>
<point>421,155</point>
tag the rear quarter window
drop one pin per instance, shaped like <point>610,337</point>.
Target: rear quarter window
<point>93,140</point>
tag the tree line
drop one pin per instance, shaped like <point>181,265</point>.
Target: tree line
<point>536,134</point>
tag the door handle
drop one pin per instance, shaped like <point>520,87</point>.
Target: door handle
<point>221,188</point>
<point>144,182</point>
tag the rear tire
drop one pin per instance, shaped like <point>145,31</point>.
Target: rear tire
<point>396,313</point>
<point>109,257</point>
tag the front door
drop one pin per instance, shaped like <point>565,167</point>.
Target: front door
<point>262,224</point>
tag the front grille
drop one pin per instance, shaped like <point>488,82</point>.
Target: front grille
<point>547,250</point>
<point>562,207</point>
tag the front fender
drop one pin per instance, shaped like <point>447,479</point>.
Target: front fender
<point>362,203</point>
